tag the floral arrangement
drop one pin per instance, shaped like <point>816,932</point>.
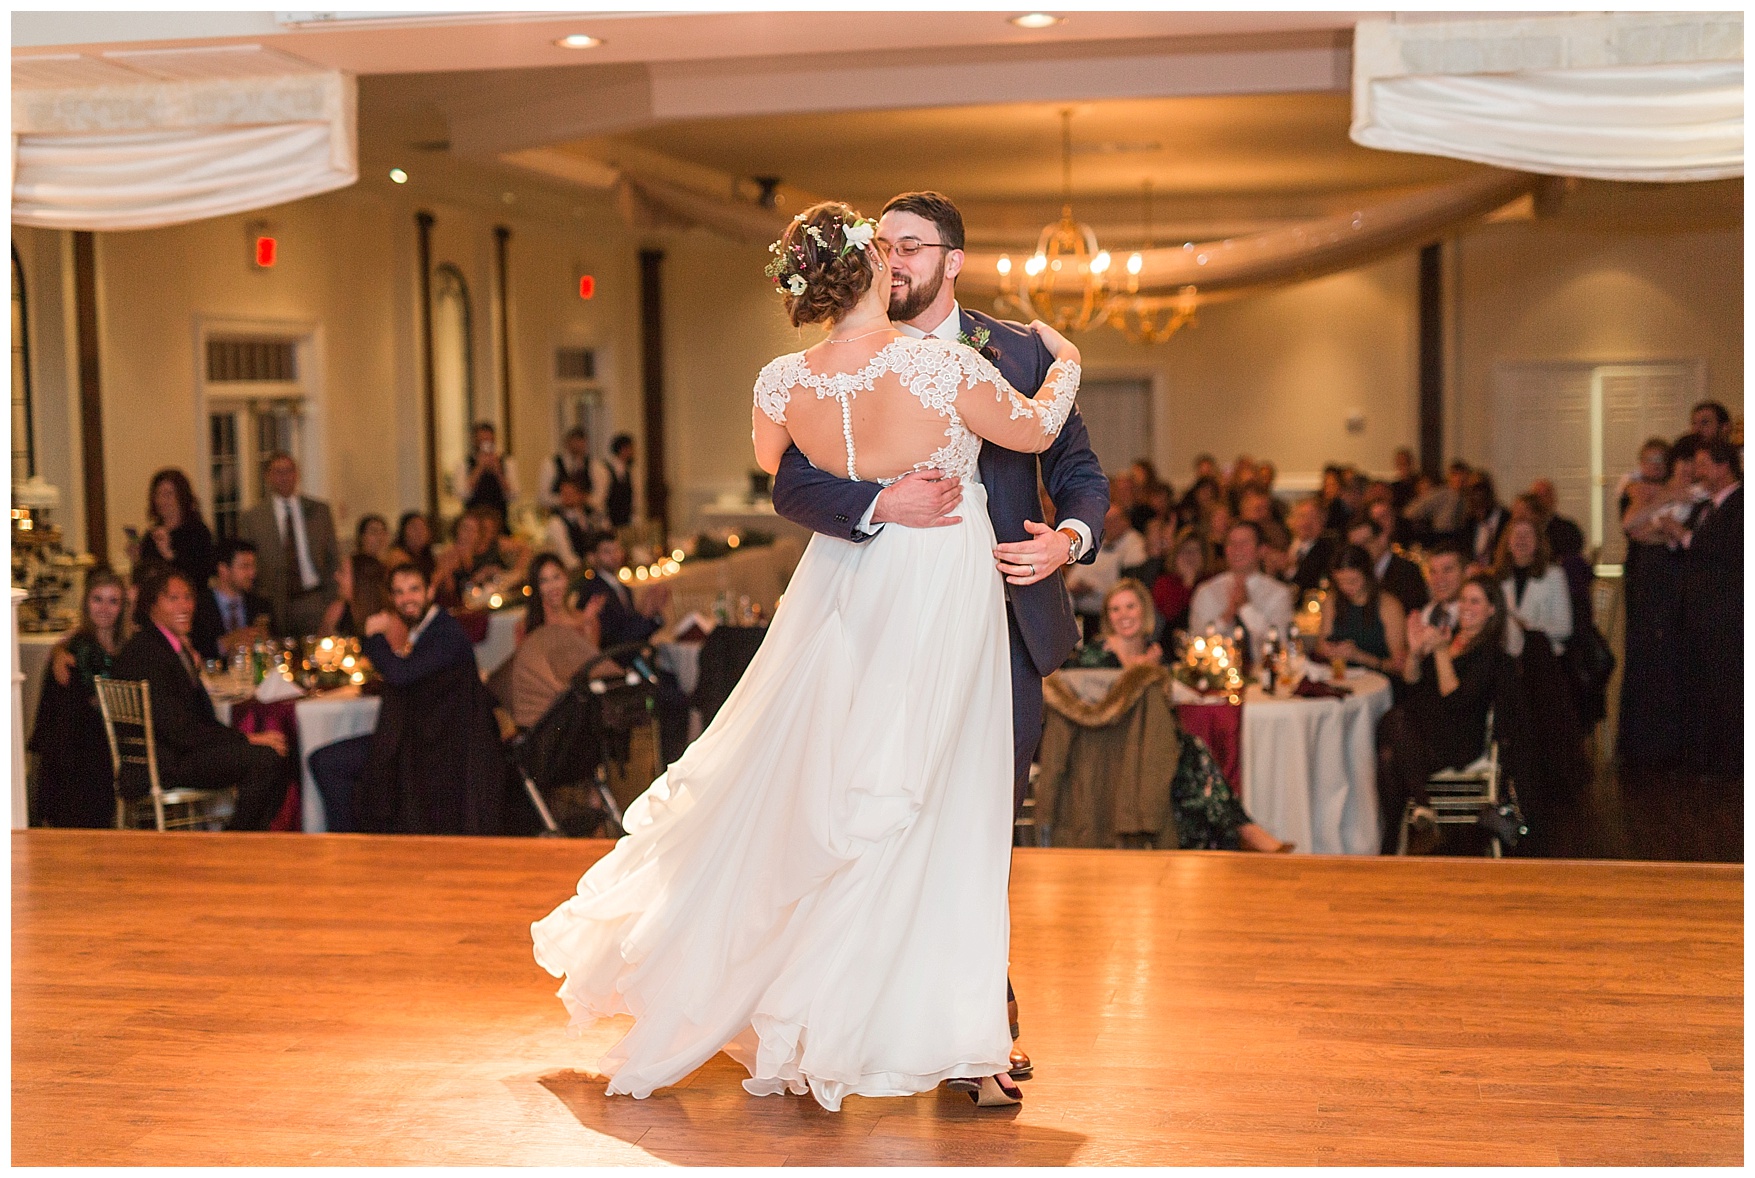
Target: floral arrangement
<point>1210,664</point>
<point>977,340</point>
<point>785,269</point>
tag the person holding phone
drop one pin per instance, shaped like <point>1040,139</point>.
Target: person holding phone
<point>487,478</point>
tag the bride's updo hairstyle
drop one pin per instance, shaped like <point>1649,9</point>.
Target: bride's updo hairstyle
<point>822,263</point>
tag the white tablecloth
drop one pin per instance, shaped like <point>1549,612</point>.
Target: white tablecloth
<point>1310,766</point>
<point>501,640</point>
<point>325,719</point>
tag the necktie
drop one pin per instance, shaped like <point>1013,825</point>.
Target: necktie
<point>295,580</point>
<point>188,661</point>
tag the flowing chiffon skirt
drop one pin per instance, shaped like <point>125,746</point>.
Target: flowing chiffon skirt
<point>818,886</point>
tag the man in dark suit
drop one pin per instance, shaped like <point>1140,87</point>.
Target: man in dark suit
<point>922,235</point>
<point>1712,616</point>
<point>434,764</point>
<point>625,618</point>
<point>296,552</point>
<point>226,612</point>
<point>1313,550</point>
<point>196,751</point>
<point>1399,576</point>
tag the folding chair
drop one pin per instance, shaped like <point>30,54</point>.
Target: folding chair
<point>126,705</point>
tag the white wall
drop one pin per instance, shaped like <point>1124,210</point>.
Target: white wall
<point>1532,291</point>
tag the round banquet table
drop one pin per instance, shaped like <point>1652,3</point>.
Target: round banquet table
<point>322,719</point>
<point>1309,772</point>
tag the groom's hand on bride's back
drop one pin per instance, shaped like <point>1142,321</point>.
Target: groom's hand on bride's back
<point>920,499</point>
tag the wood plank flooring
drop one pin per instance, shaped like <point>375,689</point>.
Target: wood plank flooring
<point>322,1000</point>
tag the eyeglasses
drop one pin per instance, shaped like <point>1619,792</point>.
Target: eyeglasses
<point>909,246</point>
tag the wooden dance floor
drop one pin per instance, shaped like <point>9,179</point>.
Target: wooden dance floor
<point>325,1000</point>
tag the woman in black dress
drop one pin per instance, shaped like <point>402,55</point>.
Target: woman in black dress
<point>73,754</point>
<point>175,532</point>
<point>1649,732</point>
<point>1441,721</point>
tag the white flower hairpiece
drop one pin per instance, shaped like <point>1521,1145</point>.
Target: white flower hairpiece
<point>855,234</point>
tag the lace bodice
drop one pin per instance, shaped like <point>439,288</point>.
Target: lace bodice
<point>936,372</point>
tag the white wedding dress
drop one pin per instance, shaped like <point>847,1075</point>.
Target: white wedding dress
<point>818,886</point>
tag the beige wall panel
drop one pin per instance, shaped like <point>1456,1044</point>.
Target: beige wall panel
<point>1530,292</point>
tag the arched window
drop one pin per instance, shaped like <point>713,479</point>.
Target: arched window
<point>453,366</point>
<point>24,439</point>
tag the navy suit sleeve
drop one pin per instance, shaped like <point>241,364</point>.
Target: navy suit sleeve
<point>442,645</point>
<point>1075,480</point>
<point>821,501</point>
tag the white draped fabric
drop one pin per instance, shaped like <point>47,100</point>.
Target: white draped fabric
<point>1645,97</point>
<point>152,153</point>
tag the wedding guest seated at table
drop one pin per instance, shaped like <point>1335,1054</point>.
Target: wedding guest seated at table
<point>469,560</point>
<point>1276,550</point>
<point>414,544</point>
<point>506,549</point>
<point>1198,501</point>
<point>229,614</point>
<point>434,764</point>
<point>626,616</point>
<point>1399,576</point>
<point>557,641</point>
<point>569,527</point>
<point>1207,813</point>
<point>176,535</point>
<point>1157,535</point>
<point>372,536</point>
<point>1486,517</point>
<point>73,753</point>
<point>1174,589</point>
<point>1242,594</point>
<point>1129,631</point>
<point>1313,550</point>
<point>1441,721</point>
<point>364,584</point>
<point>196,751</point>
<point>1361,624</point>
<point>1439,512</point>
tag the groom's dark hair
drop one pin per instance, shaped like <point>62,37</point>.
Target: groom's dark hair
<point>935,207</point>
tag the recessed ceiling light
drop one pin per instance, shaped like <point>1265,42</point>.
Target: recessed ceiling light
<point>579,41</point>
<point>398,176</point>
<point>1037,20</point>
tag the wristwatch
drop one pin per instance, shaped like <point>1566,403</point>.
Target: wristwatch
<point>1072,553</point>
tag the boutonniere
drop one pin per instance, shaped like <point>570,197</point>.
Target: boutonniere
<point>978,341</point>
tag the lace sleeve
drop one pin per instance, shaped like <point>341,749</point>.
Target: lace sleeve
<point>1011,419</point>
<point>774,389</point>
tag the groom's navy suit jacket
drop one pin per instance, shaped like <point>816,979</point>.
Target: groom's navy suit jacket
<point>1076,484</point>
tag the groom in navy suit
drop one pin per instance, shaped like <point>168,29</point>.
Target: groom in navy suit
<point>922,234</point>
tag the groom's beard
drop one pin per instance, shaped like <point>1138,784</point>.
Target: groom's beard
<point>917,296</point>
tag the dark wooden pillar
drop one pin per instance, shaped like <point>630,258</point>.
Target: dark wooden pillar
<point>502,236</point>
<point>91,398</point>
<point>429,397</point>
<point>652,383</point>
<point>1432,360</point>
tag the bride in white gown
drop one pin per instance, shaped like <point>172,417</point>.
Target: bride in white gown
<point>818,886</point>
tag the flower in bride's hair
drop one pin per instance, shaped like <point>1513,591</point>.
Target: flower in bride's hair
<point>859,234</point>
<point>796,284</point>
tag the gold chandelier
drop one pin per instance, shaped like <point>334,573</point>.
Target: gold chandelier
<point>1066,279</point>
<point>1145,320</point>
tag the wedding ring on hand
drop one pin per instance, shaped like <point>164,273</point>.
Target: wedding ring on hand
<point>1032,569</point>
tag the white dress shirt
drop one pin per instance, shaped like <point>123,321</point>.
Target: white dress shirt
<point>549,500</point>
<point>949,330</point>
<point>1267,605</point>
<point>1546,606</point>
<point>287,514</point>
<point>557,540</point>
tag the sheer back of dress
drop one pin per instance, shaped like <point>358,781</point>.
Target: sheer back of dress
<point>900,410</point>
